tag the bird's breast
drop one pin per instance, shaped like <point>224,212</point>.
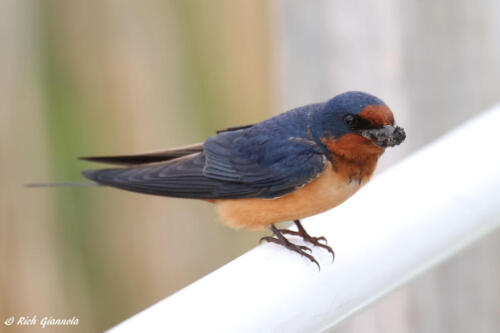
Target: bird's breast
<point>329,189</point>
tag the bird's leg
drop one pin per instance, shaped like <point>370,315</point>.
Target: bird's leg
<point>281,240</point>
<point>306,237</point>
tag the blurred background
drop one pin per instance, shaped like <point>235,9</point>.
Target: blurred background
<point>114,77</point>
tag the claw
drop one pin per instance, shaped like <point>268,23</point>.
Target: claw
<point>267,239</point>
<point>328,248</point>
<point>281,240</point>
<point>307,238</point>
<point>305,248</point>
<point>322,238</point>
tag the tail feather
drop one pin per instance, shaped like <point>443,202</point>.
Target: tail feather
<point>147,158</point>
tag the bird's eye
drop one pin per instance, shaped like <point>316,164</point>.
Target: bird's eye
<point>350,120</point>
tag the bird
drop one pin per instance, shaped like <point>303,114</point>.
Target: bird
<point>294,165</point>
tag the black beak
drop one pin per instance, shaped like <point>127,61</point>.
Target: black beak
<point>387,136</point>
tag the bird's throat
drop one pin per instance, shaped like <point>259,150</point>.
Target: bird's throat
<point>353,157</point>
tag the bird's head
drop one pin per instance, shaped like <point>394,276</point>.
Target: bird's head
<point>355,124</point>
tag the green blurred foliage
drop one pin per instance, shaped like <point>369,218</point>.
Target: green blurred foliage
<point>119,77</point>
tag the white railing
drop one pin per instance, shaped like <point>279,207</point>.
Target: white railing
<point>405,221</point>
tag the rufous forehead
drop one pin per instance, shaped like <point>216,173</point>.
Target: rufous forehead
<point>377,115</point>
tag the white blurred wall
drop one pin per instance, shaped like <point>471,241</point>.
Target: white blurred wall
<point>436,64</point>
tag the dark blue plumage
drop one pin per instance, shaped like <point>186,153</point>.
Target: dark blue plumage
<point>308,160</point>
<point>328,121</point>
<point>266,160</point>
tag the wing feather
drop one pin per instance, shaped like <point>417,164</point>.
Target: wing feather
<point>244,163</point>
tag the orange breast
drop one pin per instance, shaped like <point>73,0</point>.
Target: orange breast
<point>328,190</point>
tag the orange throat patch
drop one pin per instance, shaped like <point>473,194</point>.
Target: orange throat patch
<point>354,157</point>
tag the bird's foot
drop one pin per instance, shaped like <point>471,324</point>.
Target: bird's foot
<point>281,240</point>
<point>307,238</point>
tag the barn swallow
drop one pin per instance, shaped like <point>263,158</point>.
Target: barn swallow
<point>291,166</point>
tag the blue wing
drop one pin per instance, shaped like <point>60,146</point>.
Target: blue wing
<point>256,162</point>
<point>271,163</point>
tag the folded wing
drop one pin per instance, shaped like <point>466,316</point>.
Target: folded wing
<point>246,163</point>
